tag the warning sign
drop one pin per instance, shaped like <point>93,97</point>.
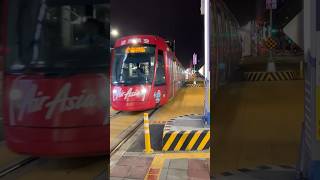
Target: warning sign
<point>270,43</point>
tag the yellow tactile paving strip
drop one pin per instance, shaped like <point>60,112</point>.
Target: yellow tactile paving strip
<point>187,101</point>
<point>256,124</point>
<point>157,163</point>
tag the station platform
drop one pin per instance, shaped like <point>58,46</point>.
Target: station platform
<point>188,101</point>
<point>169,166</point>
<point>257,123</point>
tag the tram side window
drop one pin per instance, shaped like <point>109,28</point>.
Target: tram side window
<point>160,76</point>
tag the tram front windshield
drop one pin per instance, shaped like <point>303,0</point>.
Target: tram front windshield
<point>57,36</point>
<point>133,65</point>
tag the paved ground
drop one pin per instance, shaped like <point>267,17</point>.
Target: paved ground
<point>133,167</point>
<point>172,166</point>
<point>176,169</point>
<point>256,124</point>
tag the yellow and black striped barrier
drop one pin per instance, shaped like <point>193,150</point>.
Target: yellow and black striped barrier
<point>195,85</point>
<point>270,76</point>
<point>193,140</point>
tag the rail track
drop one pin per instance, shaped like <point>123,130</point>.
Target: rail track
<point>16,165</point>
<point>128,135</point>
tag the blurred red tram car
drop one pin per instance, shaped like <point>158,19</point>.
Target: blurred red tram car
<point>145,73</point>
<point>55,95</point>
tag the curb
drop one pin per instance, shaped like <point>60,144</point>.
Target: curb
<point>185,140</point>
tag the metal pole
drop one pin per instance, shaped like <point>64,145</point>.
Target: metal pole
<point>194,74</point>
<point>271,66</point>
<point>207,60</point>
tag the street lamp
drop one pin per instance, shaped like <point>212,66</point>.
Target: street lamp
<point>114,33</point>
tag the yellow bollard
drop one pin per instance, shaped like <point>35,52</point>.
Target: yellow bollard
<point>147,142</point>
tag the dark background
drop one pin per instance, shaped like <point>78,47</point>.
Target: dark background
<point>246,10</point>
<point>171,19</point>
<point>182,21</point>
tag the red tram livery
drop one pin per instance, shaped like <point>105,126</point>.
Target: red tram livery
<point>145,73</point>
<point>55,97</point>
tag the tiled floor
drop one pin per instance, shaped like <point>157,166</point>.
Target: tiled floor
<point>188,169</point>
<point>135,167</point>
<point>131,167</point>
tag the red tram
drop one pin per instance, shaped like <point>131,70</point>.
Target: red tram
<point>55,98</point>
<point>145,73</point>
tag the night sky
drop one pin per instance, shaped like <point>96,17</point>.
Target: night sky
<point>181,19</point>
<point>170,19</point>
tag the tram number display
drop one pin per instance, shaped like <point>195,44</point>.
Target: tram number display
<point>135,41</point>
<point>135,50</point>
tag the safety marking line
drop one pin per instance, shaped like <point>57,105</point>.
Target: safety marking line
<point>247,171</point>
<point>194,85</point>
<point>170,140</point>
<point>204,142</point>
<point>270,76</point>
<point>158,161</point>
<point>181,141</point>
<point>193,140</point>
<point>186,140</point>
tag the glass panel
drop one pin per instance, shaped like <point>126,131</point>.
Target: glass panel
<point>160,76</point>
<point>133,65</point>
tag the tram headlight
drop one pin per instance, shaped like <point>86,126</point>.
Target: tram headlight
<point>143,90</point>
<point>134,41</point>
<point>114,91</point>
<point>15,94</point>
